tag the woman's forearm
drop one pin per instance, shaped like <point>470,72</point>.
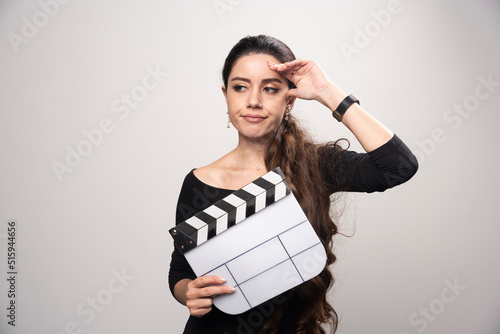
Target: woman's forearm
<point>369,131</point>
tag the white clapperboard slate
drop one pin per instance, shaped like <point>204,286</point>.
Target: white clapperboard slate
<point>258,239</point>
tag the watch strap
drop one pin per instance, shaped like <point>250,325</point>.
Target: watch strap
<point>343,106</point>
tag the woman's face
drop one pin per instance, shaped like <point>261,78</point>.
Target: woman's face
<point>255,97</point>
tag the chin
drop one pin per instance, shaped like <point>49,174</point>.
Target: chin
<point>257,136</point>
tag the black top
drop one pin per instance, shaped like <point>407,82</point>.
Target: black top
<point>385,167</point>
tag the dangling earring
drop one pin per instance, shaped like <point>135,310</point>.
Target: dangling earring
<point>228,120</point>
<point>287,111</point>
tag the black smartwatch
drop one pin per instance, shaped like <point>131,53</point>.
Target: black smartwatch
<point>343,106</point>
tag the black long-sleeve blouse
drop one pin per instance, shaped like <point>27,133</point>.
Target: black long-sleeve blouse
<point>385,167</point>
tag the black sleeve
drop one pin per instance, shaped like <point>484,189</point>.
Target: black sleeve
<point>385,167</point>
<point>194,197</point>
<point>179,267</point>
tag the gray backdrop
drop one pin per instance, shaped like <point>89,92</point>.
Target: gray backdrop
<point>106,106</point>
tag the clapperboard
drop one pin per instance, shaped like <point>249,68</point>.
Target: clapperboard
<point>258,239</point>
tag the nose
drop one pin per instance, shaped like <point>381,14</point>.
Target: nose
<point>254,101</point>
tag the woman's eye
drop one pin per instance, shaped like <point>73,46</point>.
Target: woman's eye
<point>271,90</point>
<point>239,88</point>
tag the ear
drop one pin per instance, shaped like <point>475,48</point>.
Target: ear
<point>291,100</point>
<point>224,91</point>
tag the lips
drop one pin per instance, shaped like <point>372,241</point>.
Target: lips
<point>253,118</point>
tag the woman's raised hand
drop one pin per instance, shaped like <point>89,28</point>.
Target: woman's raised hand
<point>310,80</point>
<point>200,291</point>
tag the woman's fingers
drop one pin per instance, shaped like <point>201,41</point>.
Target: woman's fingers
<point>306,75</point>
<point>199,307</point>
<point>206,280</point>
<point>200,292</point>
<point>291,67</point>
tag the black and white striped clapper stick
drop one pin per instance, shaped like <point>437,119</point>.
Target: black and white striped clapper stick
<point>230,210</point>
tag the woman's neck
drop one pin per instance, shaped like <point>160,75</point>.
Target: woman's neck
<point>250,154</point>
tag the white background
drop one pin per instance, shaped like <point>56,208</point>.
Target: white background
<point>112,212</point>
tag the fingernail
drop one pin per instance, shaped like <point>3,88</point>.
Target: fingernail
<point>230,289</point>
<point>222,279</point>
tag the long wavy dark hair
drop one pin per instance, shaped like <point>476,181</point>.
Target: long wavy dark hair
<point>299,157</point>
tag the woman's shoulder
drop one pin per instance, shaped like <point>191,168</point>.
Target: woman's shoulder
<point>211,174</point>
<point>205,174</point>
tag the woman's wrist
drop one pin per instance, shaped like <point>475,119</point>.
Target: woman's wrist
<point>331,96</point>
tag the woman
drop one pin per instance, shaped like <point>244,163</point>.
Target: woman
<point>262,79</point>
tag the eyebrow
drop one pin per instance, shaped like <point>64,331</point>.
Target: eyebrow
<point>263,81</point>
